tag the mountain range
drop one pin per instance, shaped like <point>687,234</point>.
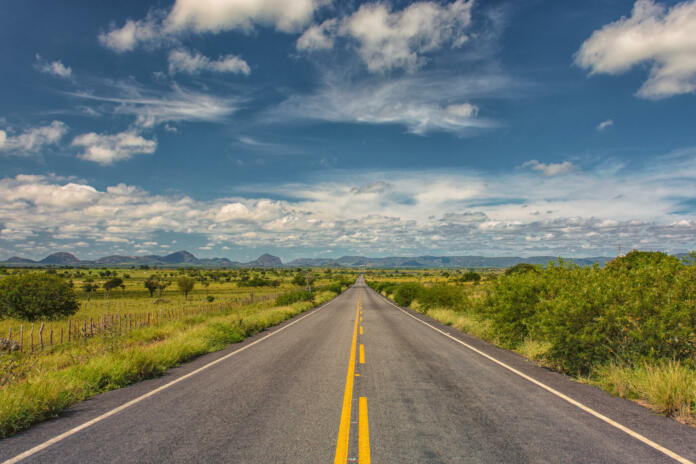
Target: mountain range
<point>184,258</point>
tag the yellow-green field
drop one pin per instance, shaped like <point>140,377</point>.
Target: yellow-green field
<point>133,336</point>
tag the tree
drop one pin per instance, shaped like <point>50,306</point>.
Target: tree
<point>185,284</point>
<point>89,287</point>
<point>112,283</point>
<point>152,284</point>
<point>299,279</point>
<point>36,296</point>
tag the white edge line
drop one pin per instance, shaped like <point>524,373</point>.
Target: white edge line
<point>130,403</point>
<point>587,409</point>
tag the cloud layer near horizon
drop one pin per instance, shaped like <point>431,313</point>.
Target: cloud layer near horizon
<point>526,212</point>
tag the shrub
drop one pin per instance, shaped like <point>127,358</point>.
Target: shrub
<point>36,296</point>
<point>441,296</point>
<point>406,293</point>
<point>288,298</point>
<point>522,268</point>
<point>470,276</point>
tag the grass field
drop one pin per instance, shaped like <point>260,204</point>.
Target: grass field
<point>163,331</point>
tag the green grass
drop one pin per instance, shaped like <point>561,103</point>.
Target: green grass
<point>40,386</point>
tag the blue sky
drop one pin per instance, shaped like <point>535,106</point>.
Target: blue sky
<point>323,128</point>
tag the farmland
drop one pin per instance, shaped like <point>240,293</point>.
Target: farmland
<point>127,334</point>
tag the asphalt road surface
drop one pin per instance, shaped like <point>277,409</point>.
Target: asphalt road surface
<point>357,380</point>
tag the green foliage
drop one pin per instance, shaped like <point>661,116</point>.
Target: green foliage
<point>185,284</point>
<point>35,296</point>
<point>521,268</point>
<point>288,298</point>
<point>470,276</point>
<point>406,293</point>
<point>441,296</point>
<point>299,279</point>
<point>112,283</point>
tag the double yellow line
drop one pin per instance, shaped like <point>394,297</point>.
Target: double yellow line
<point>344,426</point>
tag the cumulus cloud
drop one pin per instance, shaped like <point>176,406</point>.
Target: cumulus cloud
<point>659,37</point>
<point>550,169</point>
<point>389,40</point>
<point>181,60</point>
<point>33,140</point>
<point>604,124</point>
<point>55,68</point>
<point>107,149</point>
<point>210,16</point>
<point>318,36</point>
<point>433,211</point>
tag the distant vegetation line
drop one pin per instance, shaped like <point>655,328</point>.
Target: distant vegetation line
<point>186,259</point>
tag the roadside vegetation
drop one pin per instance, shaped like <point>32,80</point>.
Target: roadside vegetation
<point>629,327</point>
<point>165,317</point>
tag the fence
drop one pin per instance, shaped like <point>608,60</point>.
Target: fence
<point>37,336</point>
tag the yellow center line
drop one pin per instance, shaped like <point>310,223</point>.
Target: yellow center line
<point>363,433</point>
<point>361,330</point>
<point>362,354</point>
<point>344,426</point>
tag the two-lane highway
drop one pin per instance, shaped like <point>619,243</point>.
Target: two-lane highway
<point>358,380</point>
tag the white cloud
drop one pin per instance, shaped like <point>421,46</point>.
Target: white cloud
<point>423,104</point>
<point>181,60</point>
<point>392,40</point>
<point>107,149</point>
<point>550,169</point>
<point>604,124</point>
<point>660,37</point>
<point>518,213</point>
<point>210,16</point>
<point>133,33</point>
<point>33,140</point>
<point>318,36</point>
<point>152,107</point>
<point>56,68</point>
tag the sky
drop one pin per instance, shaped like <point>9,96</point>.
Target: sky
<point>322,128</point>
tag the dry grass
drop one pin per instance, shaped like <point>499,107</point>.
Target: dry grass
<point>666,387</point>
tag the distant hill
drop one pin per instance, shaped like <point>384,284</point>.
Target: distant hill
<point>266,260</point>
<point>18,260</point>
<point>184,258</point>
<point>61,259</point>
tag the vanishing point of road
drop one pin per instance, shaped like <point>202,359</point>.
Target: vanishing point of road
<point>357,380</point>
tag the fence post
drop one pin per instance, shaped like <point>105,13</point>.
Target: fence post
<point>21,337</point>
<point>41,335</point>
<point>69,329</point>
<point>91,326</point>
<point>9,334</point>
<point>50,343</point>
<point>61,335</point>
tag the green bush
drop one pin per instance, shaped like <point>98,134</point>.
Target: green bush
<point>441,296</point>
<point>36,296</point>
<point>406,293</point>
<point>288,298</point>
<point>470,276</point>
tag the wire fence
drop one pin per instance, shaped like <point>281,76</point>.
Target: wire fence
<point>37,336</point>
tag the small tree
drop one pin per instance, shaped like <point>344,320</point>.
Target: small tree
<point>152,284</point>
<point>185,284</point>
<point>36,296</point>
<point>111,284</point>
<point>89,288</point>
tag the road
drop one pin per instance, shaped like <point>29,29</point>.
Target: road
<point>357,380</point>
